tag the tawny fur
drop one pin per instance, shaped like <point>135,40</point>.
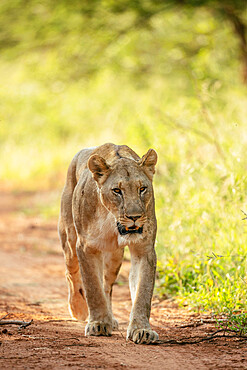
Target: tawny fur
<point>106,187</point>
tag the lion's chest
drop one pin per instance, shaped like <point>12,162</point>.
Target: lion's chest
<point>103,233</point>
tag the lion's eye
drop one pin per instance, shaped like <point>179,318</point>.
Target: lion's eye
<point>117,191</point>
<point>143,189</point>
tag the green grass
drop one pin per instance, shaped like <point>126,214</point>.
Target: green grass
<point>174,90</point>
<point>234,322</point>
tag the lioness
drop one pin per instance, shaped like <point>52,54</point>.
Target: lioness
<point>108,203</point>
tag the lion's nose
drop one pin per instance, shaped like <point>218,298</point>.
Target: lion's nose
<point>134,218</point>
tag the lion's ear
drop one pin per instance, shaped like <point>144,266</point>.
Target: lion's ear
<point>149,161</point>
<point>99,168</point>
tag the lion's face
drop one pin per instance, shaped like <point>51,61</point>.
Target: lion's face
<point>126,194</point>
<point>126,189</point>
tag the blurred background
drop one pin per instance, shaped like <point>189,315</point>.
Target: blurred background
<point>168,75</point>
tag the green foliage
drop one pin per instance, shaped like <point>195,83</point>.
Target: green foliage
<point>235,322</point>
<point>76,75</point>
<point>213,284</point>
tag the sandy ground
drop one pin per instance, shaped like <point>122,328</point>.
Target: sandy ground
<point>33,286</point>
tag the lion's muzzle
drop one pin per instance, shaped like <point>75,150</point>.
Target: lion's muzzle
<point>123,230</point>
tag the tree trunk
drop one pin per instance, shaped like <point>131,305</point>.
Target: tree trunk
<point>240,30</point>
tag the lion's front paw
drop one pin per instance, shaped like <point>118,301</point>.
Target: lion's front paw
<point>97,328</point>
<point>143,336</point>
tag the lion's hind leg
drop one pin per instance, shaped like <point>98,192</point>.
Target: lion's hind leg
<point>77,302</point>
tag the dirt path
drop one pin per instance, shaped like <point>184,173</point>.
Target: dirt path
<point>33,286</point>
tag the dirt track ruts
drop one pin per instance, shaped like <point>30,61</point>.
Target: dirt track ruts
<point>33,286</point>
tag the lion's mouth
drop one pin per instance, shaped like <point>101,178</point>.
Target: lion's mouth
<point>123,230</point>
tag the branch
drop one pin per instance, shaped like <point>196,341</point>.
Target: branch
<point>200,322</point>
<point>240,30</point>
<point>245,215</point>
<point>22,324</point>
<point>204,339</point>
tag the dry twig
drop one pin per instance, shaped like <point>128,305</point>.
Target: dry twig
<point>200,322</point>
<point>213,336</point>
<point>22,324</point>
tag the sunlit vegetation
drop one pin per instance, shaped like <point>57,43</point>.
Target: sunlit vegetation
<point>68,82</point>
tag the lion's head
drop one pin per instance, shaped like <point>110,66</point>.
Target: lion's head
<point>125,187</point>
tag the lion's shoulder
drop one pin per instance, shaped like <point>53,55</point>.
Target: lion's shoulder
<point>112,152</point>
